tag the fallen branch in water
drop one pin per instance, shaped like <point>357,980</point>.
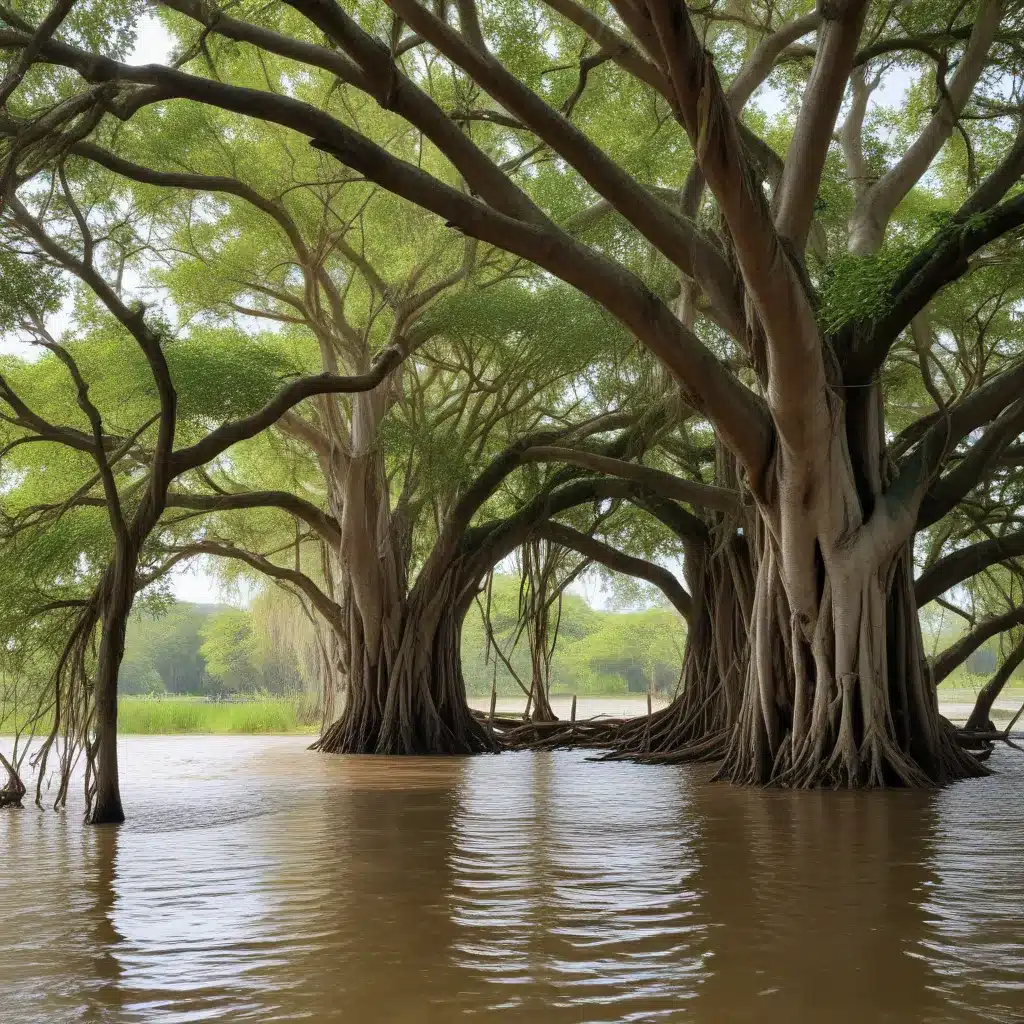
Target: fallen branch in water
<point>971,738</point>
<point>515,734</point>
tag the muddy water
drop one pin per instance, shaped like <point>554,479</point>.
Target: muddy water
<point>258,882</point>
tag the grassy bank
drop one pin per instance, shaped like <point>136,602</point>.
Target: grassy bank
<point>959,687</point>
<point>141,716</point>
<point>138,716</point>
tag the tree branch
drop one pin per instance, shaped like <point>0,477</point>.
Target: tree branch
<point>323,524</point>
<point>870,218</point>
<point>944,260</point>
<point>798,191</point>
<point>228,434</point>
<point>223,549</point>
<point>721,499</point>
<point>618,561</point>
<point>796,373</point>
<point>710,387</point>
<point>960,565</point>
<point>957,653</point>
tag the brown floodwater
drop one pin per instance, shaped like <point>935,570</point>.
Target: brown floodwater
<point>258,882</point>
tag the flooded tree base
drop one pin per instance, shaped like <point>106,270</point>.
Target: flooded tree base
<point>629,739</point>
<point>12,794</point>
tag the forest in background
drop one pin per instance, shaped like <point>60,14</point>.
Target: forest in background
<point>210,649</point>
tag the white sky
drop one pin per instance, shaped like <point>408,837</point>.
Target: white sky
<point>153,45</point>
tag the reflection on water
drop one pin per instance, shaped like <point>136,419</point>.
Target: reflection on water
<point>257,881</point>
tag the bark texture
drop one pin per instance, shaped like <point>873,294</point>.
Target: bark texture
<point>400,647</point>
<point>836,691</point>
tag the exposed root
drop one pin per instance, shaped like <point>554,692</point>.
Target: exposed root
<point>409,698</point>
<point>866,718</point>
<point>14,792</point>
<point>587,733</point>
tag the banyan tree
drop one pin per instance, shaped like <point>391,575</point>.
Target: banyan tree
<point>830,296</point>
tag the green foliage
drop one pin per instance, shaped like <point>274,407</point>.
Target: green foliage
<point>859,288</point>
<point>28,288</point>
<point>599,653</point>
<point>203,649</point>
<point>500,348</point>
<point>162,651</point>
<point>239,659</point>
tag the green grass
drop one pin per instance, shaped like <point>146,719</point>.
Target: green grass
<point>961,688</point>
<point>138,716</point>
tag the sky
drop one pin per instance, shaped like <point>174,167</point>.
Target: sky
<point>153,44</point>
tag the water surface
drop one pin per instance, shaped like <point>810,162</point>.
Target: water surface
<point>256,881</point>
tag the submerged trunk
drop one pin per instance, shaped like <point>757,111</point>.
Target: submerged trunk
<point>408,696</point>
<point>13,791</point>
<point>538,703</point>
<point>426,710</point>
<point>404,692</point>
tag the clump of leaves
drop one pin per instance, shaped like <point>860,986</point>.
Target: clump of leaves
<point>860,287</point>
<point>27,287</point>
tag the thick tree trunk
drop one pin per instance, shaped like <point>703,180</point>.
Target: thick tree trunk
<point>426,710</point>
<point>408,696</point>
<point>836,691</point>
<point>402,664</point>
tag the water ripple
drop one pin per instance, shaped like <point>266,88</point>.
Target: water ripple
<point>256,881</point>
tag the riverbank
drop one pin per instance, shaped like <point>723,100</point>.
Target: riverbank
<point>282,716</point>
<point>270,716</point>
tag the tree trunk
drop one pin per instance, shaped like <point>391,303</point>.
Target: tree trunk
<point>697,724</point>
<point>835,690</point>
<point>13,791</point>
<point>408,696</point>
<point>357,728</point>
<point>105,803</point>
<point>402,663</point>
<point>540,704</point>
<point>426,710</point>
<point>537,610</point>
